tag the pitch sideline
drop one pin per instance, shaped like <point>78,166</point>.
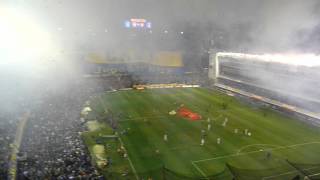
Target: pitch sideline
<point>130,162</point>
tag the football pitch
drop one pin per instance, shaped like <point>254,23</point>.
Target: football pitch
<point>152,140</point>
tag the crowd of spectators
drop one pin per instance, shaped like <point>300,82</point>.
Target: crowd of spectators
<point>51,147</point>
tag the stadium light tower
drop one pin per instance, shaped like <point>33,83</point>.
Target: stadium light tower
<point>22,38</point>
<point>25,43</point>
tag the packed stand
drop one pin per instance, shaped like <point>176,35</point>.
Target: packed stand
<point>52,147</point>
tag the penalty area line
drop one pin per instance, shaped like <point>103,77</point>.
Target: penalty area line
<point>199,170</point>
<point>142,118</point>
<point>252,152</point>
<point>250,145</point>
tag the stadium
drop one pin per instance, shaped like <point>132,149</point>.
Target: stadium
<point>179,131</point>
<point>159,90</point>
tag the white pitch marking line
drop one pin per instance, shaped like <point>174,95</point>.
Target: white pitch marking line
<point>242,148</point>
<point>289,172</point>
<point>141,117</point>
<point>199,170</point>
<point>252,152</point>
<point>314,174</point>
<point>130,162</point>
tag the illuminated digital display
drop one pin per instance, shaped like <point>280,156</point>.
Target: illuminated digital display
<point>137,24</point>
<point>127,24</point>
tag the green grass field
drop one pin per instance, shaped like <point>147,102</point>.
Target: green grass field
<point>145,117</point>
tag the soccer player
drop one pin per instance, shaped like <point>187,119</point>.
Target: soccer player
<point>268,155</point>
<point>209,127</point>
<point>224,124</point>
<point>218,140</point>
<point>109,161</point>
<point>203,132</point>
<point>202,141</point>
<point>236,131</point>
<point>246,131</point>
<point>165,137</point>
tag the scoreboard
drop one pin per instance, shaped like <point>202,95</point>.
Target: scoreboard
<point>137,24</point>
